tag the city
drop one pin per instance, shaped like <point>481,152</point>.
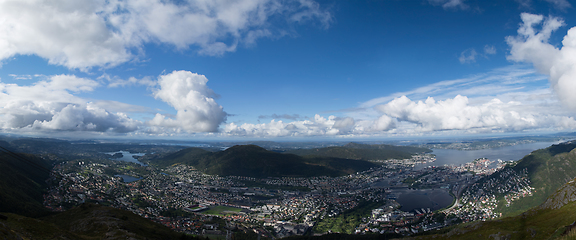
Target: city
<point>189,201</point>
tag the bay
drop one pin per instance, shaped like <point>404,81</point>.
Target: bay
<point>440,198</point>
<point>458,157</point>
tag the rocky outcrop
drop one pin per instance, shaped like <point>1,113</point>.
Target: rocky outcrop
<point>562,196</point>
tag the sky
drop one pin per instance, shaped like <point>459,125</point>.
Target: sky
<point>286,69</point>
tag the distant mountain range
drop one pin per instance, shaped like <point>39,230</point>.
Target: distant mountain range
<point>362,151</point>
<point>254,161</point>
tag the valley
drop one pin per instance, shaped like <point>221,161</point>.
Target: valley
<point>385,196</point>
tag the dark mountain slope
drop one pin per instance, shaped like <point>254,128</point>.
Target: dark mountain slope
<point>254,161</point>
<point>88,221</point>
<point>22,184</point>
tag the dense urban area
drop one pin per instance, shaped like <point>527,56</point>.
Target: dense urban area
<point>189,201</point>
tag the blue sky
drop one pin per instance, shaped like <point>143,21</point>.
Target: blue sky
<point>280,69</point>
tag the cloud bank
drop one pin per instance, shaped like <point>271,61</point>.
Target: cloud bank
<point>50,105</point>
<point>85,34</point>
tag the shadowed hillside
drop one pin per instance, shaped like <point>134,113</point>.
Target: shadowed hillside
<point>22,183</point>
<point>254,161</point>
<point>88,221</point>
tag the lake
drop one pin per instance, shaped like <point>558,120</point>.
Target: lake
<point>427,198</point>
<point>127,179</point>
<point>128,157</point>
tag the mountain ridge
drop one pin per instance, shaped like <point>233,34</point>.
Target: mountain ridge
<point>255,161</point>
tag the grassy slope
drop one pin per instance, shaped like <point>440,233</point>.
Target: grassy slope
<point>543,222</point>
<point>254,161</point>
<point>548,169</point>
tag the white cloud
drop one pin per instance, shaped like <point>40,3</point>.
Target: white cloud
<point>197,111</point>
<point>458,114</point>
<point>468,56</point>
<point>84,34</point>
<point>559,64</point>
<point>489,50</point>
<point>499,81</point>
<point>66,32</point>
<point>450,4</point>
<point>560,4</point>
<point>114,81</point>
<point>318,126</point>
<point>49,105</point>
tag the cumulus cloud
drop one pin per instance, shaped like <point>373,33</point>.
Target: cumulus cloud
<point>84,34</point>
<point>187,92</point>
<point>318,126</point>
<point>49,105</point>
<point>458,114</point>
<point>531,45</point>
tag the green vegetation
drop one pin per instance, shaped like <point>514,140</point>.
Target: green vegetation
<point>348,220</point>
<point>254,161</point>
<point>548,169</point>
<point>537,223</point>
<point>222,210</point>
<point>362,151</point>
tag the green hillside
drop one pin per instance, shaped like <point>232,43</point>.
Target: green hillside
<point>547,221</point>
<point>254,161</point>
<point>548,169</point>
<point>88,221</point>
<point>22,184</point>
<point>362,151</point>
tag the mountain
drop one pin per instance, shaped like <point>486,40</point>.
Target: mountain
<point>551,220</point>
<point>87,221</point>
<point>547,169</point>
<point>362,151</point>
<point>22,183</point>
<point>254,161</point>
